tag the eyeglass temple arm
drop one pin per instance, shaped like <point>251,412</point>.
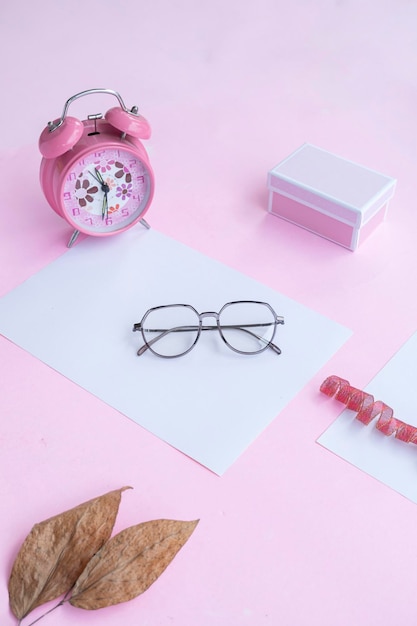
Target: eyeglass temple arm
<point>179,329</point>
<point>163,331</point>
<point>270,344</point>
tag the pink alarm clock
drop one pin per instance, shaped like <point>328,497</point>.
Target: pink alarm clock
<point>96,173</point>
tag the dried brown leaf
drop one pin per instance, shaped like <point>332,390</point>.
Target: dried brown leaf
<point>57,550</point>
<point>129,563</point>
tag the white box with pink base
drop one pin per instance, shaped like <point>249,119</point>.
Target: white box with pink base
<point>328,195</point>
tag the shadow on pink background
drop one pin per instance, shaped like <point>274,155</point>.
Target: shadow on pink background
<point>291,534</point>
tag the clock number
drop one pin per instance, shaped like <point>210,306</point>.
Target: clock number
<point>89,221</point>
<point>141,179</point>
<point>109,221</point>
<point>71,176</point>
<point>75,211</point>
<point>125,212</point>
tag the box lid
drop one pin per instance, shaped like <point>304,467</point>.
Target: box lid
<point>332,184</point>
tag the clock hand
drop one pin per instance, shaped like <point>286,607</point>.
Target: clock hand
<point>106,189</point>
<point>98,177</point>
<point>105,205</point>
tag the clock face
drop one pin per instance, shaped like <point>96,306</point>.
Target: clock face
<point>106,191</point>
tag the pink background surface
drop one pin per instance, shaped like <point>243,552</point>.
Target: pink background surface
<point>291,534</point>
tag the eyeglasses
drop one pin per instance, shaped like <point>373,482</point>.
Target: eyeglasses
<point>172,330</point>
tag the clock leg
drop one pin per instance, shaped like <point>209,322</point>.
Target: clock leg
<point>144,223</point>
<point>73,238</point>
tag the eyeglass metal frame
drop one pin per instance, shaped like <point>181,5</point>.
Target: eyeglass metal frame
<point>278,319</point>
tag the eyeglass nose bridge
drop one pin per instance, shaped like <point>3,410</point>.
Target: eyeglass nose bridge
<point>209,314</point>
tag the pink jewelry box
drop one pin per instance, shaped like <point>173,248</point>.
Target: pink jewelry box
<point>329,195</point>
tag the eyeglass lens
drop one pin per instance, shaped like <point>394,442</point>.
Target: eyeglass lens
<point>247,327</point>
<point>171,330</point>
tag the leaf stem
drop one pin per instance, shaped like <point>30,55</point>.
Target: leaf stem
<point>47,612</point>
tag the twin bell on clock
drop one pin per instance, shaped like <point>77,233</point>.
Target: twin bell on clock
<point>96,173</point>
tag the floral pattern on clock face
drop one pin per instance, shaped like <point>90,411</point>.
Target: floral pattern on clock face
<point>106,190</point>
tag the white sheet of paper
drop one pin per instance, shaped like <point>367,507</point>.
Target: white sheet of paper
<point>390,460</point>
<point>77,314</point>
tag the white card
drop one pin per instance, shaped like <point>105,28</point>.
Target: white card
<point>390,460</point>
<point>77,314</point>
